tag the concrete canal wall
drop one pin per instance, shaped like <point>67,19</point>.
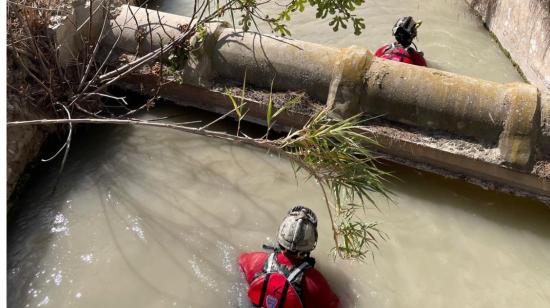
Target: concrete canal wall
<point>523,29</point>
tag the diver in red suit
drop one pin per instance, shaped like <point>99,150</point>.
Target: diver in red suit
<point>285,276</point>
<point>401,50</point>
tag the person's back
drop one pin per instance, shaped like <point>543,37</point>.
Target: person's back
<point>315,290</point>
<point>286,276</point>
<point>402,50</point>
<point>396,52</point>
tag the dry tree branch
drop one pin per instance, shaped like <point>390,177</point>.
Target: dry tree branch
<point>21,62</point>
<point>162,26</point>
<point>96,47</point>
<point>67,147</point>
<point>203,132</point>
<point>93,80</point>
<point>332,152</point>
<point>120,72</point>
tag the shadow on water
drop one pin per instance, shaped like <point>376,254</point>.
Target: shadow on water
<point>519,213</point>
<point>116,172</point>
<point>103,160</point>
<point>36,218</point>
<point>122,179</point>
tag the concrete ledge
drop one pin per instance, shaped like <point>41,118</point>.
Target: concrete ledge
<point>518,140</point>
<point>475,171</point>
<point>483,170</point>
<point>544,139</point>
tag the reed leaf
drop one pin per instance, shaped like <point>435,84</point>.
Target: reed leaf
<point>236,108</point>
<point>337,155</point>
<point>269,114</point>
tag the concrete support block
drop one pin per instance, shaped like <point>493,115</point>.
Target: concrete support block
<point>518,140</point>
<point>72,32</point>
<point>347,81</point>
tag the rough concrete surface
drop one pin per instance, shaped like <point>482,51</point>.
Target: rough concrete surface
<point>439,140</point>
<point>24,142</point>
<point>303,103</point>
<point>523,29</point>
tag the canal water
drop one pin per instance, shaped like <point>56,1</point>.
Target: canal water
<point>145,217</point>
<point>451,36</point>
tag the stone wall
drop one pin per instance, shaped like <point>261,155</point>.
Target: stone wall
<point>24,142</point>
<point>523,29</point>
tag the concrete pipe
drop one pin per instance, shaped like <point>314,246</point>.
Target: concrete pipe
<point>352,80</point>
<point>289,64</point>
<point>139,30</point>
<point>507,114</point>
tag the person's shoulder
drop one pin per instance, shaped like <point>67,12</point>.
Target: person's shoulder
<point>252,257</point>
<point>315,280</point>
<point>314,274</point>
<point>381,50</point>
<point>251,263</point>
<point>412,49</point>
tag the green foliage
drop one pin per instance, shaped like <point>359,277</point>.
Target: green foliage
<point>270,116</point>
<point>339,10</point>
<point>340,13</point>
<point>238,108</point>
<point>177,59</point>
<point>179,56</point>
<point>176,62</point>
<point>337,155</point>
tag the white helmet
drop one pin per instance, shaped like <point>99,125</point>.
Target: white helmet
<point>298,231</point>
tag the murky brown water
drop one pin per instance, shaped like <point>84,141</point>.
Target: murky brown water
<point>452,38</point>
<point>145,217</point>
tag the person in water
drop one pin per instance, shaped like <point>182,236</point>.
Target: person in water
<point>401,50</point>
<point>286,277</point>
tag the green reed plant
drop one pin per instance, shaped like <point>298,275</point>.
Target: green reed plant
<point>336,153</point>
<point>337,156</point>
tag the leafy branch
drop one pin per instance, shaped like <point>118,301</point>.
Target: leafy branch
<point>340,12</point>
<point>338,157</point>
<point>333,152</point>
